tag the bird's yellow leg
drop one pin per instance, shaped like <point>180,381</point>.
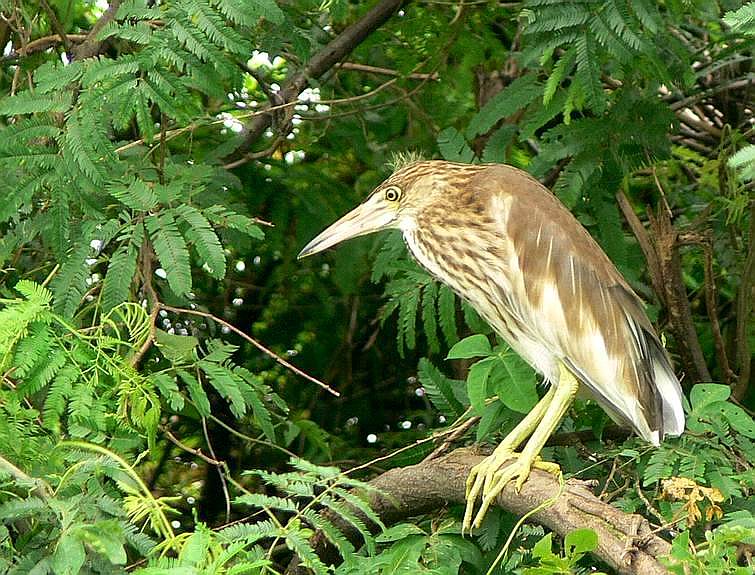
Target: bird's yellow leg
<point>481,474</point>
<point>490,476</point>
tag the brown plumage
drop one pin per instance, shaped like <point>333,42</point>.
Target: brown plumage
<point>502,241</point>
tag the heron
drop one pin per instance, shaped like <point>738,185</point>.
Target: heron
<point>503,242</point>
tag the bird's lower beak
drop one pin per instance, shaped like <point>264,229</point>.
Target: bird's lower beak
<point>364,219</point>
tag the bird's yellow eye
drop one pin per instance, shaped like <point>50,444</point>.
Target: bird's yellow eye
<point>392,194</point>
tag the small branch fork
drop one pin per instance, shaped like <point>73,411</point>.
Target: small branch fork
<point>320,63</point>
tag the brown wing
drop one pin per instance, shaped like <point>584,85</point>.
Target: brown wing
<point>585,308</point>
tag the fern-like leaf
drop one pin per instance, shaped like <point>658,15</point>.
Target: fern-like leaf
<point>203,238</point>
<point>70,282</point>
<point>442,392</point>
<point>172,251</point>
<point>227,383</point>
<point>198,396</point>
<point>121,270</point>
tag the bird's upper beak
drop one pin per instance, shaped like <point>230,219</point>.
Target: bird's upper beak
<point>370,216</point>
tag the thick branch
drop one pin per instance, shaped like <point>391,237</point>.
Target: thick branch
<point>337,49</point>
<point>666,239</point>
<point>660,246</point>
<point>91,46</point>
<point>625,542</point>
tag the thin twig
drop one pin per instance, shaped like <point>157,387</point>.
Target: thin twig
<point>56,25</point>
<point>649,506</point>
<point>146,257</point>
<point>320,63</point>
<point>646,245</point>
<point>195,452</point>
<point>248,438</point>
<point>253,341</point>
<point>455,434</point>
<point>744,305</point>
<point>385,71</point>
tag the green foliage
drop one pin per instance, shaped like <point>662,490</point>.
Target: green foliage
<point>130,185</point>
<point>76,523</point>
<point>410,291</point>
<point>576,544</point>
<point>316,498</point>
<point>80,373</point>
<point>406,548</point>
<point>721,434</point>
<point>719,553</point>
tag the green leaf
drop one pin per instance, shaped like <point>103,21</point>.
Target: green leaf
<point>453,147</point>
<point>168,389</point>
<point>704,394</point>
<point>493,417</point>
<point>447,314</point>
<point>69,285</point>
<point>139,195</point>
<point>738,418</point>
<point>254,396</point>
<point>514,381</point>
<point>196,547</point>
<point>742,19</point>
<point>227,384</point>
<point>404,555</point>
<point>298,542</point>
<point>477,380</point>
<point>512,98</point>
<point>227,218</point>
<point>204,239</point>
<point>399,531</point>
<point>121,270</point>
<point>543,548</point>
<point>107,537</point>
<point>28,103</point>
<point>472,346</point>
<point>495,148</point>
<point>197,394</point>
<point>171,250</point>
<point>580,541</point>
<point>69,555</point>
<point>439,389</point>
<point>177,348</point>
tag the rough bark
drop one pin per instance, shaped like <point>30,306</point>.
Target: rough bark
<point>626,542</point>
<point>91,45</point>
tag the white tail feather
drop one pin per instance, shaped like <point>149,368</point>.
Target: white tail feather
<point>671,395</point>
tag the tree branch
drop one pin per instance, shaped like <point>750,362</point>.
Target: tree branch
<point>337,49</point>
<point>626,542</point>
<point>91,46</point>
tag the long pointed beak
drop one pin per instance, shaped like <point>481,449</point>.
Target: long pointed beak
<point>370,216</point>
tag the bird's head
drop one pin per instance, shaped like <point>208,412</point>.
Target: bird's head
<point>393,204</point>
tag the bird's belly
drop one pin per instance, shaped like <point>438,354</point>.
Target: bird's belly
<point>535,352</point>
<point>486,300</point>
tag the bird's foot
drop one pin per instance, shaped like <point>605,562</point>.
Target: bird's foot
<point>489,477</point>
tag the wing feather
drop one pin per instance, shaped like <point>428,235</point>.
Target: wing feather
<point>579,308</point>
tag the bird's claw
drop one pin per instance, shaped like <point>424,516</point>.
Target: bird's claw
<point>489,477</point>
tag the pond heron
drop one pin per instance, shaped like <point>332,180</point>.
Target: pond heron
<point>507,245</point>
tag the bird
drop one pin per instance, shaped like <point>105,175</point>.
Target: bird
<point>505,243</point>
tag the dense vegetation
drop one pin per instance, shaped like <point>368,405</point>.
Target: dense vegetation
<point>162,164</point>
